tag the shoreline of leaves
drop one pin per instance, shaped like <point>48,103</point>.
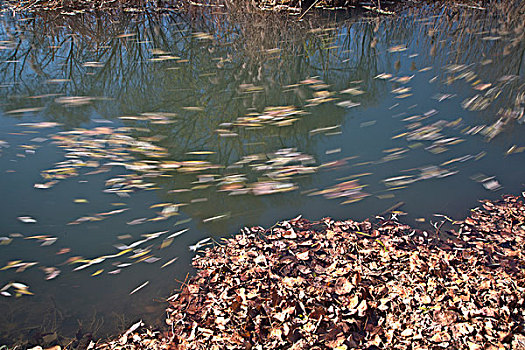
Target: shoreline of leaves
<point>345,284</point>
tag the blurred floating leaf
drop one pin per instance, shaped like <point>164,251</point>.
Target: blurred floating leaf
<point>25,110</point>
<point>98,272</point>
<point>27,219</point>
<point>166,243</point>
<point>169,263</point>
<point>193,108</point>
<point>51,272</point>
<point>74,101</point>
<point>217,217</point>
<point>41,125</point>
<point>46,185</point>
<point>398,48</point>
<point>5,240</point>
<point>481,87</point>
<point>353,91</point>
<point>93,64</point>
<point>139,288</point>
<point>200,152</point>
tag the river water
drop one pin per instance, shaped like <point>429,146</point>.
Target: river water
<point>126,139</point>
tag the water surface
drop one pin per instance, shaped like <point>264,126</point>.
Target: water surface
<point>127,139</point>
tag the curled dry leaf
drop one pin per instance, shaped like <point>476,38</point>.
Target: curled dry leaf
<point>343,286</point>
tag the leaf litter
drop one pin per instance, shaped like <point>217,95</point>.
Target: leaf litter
<point>333,284</point>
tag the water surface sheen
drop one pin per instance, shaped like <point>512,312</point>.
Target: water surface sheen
<point>125,140</point>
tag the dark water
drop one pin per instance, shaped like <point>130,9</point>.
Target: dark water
<point>341,118</point>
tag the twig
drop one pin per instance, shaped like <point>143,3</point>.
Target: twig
<point>392,208</point>
<point>308,9</point>
<point>438,228</point>
<point>472,7</point>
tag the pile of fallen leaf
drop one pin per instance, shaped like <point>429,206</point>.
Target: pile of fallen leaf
<point>346,284</point>
<point>138,336</point>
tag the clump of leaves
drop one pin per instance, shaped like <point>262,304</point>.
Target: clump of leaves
<point>346,284</point>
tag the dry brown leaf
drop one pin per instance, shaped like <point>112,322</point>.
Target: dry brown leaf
<point>343,286</point>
